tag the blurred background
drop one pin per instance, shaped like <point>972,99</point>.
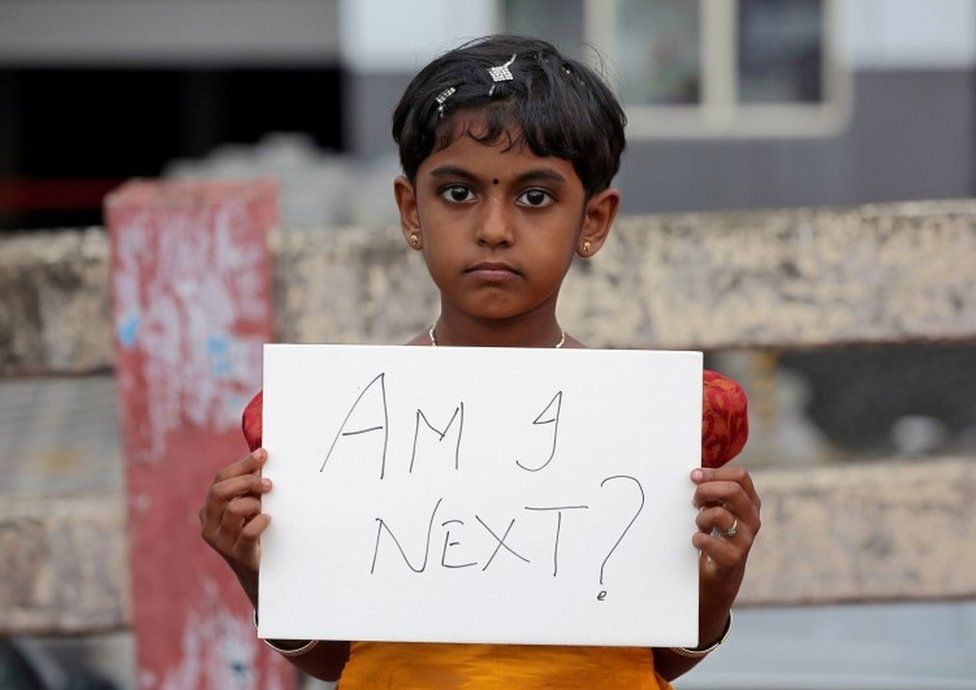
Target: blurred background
<point>733,105</point>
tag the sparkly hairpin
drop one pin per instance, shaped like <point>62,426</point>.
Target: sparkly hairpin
<point>500,73</point>
<point>568,71</point>
<point>442,98</point>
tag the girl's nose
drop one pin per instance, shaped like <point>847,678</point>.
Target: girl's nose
<point>495,225</point>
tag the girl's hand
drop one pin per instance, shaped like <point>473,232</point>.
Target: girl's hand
<point>728,521</point>
<point>231,519</point>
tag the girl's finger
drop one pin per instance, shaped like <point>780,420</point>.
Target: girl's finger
<point>228,532</point>
<point>249,463</point>
<point>244,507</point>
<point>725,554</point>
<point>717,518</point>
<point>728,474</point>
<point>239,486</point>
<point>246,550</point>
<point>220,491</point>
<point>248,484</point>
<point>223,492</point>
<point>248,544</point>
<point>255,528</point>
<point>728,494</point>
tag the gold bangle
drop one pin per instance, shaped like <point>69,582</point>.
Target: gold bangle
<point>700,653</point>
<point>298,651</point>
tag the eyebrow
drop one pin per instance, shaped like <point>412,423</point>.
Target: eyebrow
<point>451,171</point>
<point>534,174</point>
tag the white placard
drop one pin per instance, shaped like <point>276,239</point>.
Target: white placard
<point>503,495</point>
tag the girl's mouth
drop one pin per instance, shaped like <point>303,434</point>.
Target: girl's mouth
<point>493,271</point>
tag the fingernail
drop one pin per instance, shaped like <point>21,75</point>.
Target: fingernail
<point>697,475</point>
<point>260,454</point>
<point>266,483</point>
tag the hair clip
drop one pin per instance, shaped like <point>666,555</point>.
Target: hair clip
<point>568,71</point>
<point>500,73</point>
<point>442,98</point>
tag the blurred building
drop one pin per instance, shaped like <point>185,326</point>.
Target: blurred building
<point>732,104</point>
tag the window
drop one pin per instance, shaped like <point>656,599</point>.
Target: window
<point>780,50</point>
<point>658,51</point>
<point>706,67</point>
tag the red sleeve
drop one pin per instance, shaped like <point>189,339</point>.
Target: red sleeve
<point>725,420</point>
<point>251,421</point>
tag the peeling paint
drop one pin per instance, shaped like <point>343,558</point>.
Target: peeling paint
<point>190,260</point>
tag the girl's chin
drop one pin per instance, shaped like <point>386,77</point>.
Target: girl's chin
<point>492,304</point>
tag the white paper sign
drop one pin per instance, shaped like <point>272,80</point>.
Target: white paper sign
<point>480,495</point>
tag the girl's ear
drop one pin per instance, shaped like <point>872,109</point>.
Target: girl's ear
<point>598,217</point>
<point>406,201</point>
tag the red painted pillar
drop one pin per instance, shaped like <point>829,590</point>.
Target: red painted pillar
<point>191,281</point>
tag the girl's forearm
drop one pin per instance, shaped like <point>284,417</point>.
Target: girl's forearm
<point>714,610</point>
<point>713,618</point>
<point>671,664</point>
<point>324,661</point>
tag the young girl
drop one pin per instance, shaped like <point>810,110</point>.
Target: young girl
<point>508,150</point>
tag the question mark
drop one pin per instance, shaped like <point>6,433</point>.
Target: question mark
<point>603,593</point>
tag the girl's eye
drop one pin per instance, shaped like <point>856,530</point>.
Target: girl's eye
<point>536,198</point>
<point>457,194</point>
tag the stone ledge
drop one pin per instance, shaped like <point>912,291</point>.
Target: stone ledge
<point>54,309</point>
<point>873,532</point>
<point>799,278</point>
<point>795,278</point>
<point>861,533</point>
<point>65,565</point>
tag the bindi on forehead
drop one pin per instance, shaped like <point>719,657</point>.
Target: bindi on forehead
<point>494,180</point>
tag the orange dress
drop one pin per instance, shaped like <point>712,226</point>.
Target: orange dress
<point>413,666</point>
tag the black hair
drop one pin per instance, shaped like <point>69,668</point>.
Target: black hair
<point>560,107</point>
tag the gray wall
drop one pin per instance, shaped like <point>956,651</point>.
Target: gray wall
<point>911,136</point>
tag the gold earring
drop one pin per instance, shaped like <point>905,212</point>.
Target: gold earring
<point>415,240</point>
<point>586,249</point>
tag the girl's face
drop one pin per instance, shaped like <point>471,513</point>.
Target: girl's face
<point>498,225</point>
